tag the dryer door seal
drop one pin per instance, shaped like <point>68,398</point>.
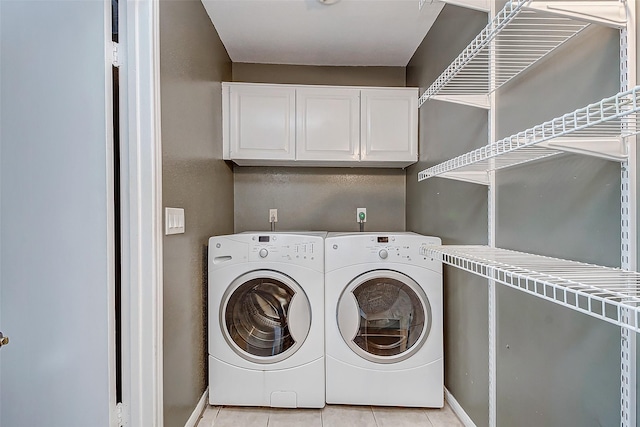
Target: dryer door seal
<point>265,316</point>
<point>384,316</point>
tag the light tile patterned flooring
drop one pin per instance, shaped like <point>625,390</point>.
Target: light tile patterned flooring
<point>329,416</point>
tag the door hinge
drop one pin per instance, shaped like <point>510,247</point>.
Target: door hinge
<point>115,58</point>
<point>120,414</point>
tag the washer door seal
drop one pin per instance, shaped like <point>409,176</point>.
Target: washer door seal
<point>384,316</point>
<point>265,316</point>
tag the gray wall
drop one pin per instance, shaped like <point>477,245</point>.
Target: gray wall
<point>193,62</point>
<point>319,198</point>
<point>555,366</point>
<point>455,211</point>
<point>55,250</point>
<point>317,75</point>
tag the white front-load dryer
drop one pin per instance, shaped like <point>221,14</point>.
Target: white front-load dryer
<point>384,339</point>
<point>266,319</point>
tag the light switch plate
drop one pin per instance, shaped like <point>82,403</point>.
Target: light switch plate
<point>173,221</point>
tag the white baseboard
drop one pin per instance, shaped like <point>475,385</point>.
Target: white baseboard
<point>195,416</point>
<point>455,406</point>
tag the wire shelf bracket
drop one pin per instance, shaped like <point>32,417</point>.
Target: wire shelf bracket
<point>474,177</point>
<point>481,5</point>
<point>609,13</point>
<point>613,148</point>
<point>480,101</point>
<point>608,294</point>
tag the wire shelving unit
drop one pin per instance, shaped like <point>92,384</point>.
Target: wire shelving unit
<point>597,129</point>
<point>597,291</point>
<point>520,35</point>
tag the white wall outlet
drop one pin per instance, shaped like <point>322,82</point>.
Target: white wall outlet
<point>273,215</point>
<point>173,221</point>
<point>361,210</point>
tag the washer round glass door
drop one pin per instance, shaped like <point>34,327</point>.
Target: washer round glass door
<point>265,316</point>
<point>384,316</point>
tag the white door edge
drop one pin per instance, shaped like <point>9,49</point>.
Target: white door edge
<point>110,204</point>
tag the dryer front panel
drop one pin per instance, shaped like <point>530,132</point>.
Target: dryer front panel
<point>384,316</point>
<point>265,316</point>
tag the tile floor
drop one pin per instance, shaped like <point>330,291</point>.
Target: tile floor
<point>329,416</point>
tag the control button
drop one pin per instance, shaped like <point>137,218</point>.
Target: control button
<point>263,253</point>
<point>335,246</point>
<point>383,254</point>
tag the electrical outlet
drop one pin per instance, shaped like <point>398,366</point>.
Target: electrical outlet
<point>273,215</point>
<point>358,212</point>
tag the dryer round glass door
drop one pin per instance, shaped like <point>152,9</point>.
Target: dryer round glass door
<point>265,316</point>
<point>384,316</point>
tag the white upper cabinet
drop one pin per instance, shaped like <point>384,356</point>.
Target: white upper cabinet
<point>328,124</point>
<point>389,125</point>
<point>262,122</point>
<point>293,125</point>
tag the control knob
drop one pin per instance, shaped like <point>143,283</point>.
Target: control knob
<point>263,253</point>
<point>383,254</point>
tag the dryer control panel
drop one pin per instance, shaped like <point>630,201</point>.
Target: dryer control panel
<point>404,248</point>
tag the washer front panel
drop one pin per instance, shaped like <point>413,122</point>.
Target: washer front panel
<point>257,315</point>
<point>384,316</point>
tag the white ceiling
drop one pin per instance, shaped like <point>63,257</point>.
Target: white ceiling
<point>307,32</point>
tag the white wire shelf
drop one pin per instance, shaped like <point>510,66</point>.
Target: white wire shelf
<point>521,34</point>
<point>597,130</point>
<point>609,294</point>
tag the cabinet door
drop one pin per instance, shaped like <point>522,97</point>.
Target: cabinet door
<point>389,130</point>
<point>328,124</point>
<point>262,122</point>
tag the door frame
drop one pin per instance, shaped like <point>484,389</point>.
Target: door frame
<point>141,157</point>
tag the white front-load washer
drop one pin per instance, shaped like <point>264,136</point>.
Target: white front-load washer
<point>266,319</point>
<point>383,300</point>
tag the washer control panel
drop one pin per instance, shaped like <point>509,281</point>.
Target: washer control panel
<point>289,248</point>
<point>292,248</point>
<point>282,247</point>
